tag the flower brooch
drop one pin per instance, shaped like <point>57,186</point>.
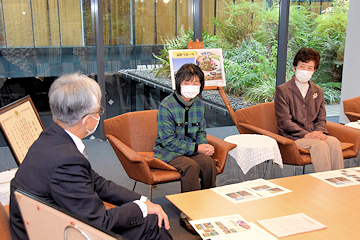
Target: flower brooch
<point>315,95</point>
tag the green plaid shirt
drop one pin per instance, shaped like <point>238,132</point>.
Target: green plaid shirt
<point>180,129</point>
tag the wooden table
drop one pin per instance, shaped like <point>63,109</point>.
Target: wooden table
<point>337,208</point>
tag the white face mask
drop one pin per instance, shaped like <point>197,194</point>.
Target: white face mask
<point>189,91</point>
<point>92,131</point>
<point>303,76</point>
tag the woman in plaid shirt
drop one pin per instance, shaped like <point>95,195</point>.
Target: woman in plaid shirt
<point>181,140</point>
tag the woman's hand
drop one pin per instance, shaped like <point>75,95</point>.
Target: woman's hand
<point>206,149</point>
<point>316,135</point>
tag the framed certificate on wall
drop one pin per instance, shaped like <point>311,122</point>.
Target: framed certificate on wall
<point>21,125</point>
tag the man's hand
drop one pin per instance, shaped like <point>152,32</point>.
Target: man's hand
<point>157,209</point>
<point>316,135</point>
<point>206,149</point>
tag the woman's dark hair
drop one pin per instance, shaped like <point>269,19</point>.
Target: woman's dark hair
<point>306,55</point>
<point>186,73</point>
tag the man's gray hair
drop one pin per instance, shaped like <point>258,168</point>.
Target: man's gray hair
<point>73,96</point>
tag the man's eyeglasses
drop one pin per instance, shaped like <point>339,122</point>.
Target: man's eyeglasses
<point>100,112</point>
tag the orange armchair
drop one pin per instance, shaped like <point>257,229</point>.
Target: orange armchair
<point>261,119</point>
<point>132,136</point>
<point>352,108</point>
<point>4,223</point>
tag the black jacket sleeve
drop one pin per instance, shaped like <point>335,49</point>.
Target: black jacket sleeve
<point>77,188</point>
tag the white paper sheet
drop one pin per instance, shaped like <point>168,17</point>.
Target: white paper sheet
<point>291,225</point>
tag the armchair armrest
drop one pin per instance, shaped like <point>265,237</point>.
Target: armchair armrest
<point>139,157</point>
<point>125,150</point>
<point>221,150</point>
<point>345,134</point>
<point>353,116</point>
<point>217,142</point>
<point>280,139</point>
<point>108,205</point>
<point>140,171</point>
<point>158,164</point>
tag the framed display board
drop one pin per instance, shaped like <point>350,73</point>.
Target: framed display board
<point>209,60</point>
<point>21,125</point>
<point>47,221</point>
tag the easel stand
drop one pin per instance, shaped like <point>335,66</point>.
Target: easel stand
<point>226,102</point>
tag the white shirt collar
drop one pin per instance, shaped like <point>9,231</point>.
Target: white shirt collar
<point>303,88</point>
<point>79,144</point>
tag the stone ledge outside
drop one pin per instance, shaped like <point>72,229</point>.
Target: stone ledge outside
<point>211,95</point>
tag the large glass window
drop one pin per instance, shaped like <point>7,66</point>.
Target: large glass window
<point>320,25</point>
<point>42,23</point>
<point>316,6</point>
<point>52,23</point>
<point>43,39</point>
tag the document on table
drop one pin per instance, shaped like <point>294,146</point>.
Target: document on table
<point>291,225</point>
<point>229,228</point>
<point>250,190</point>
<point>340,178</point>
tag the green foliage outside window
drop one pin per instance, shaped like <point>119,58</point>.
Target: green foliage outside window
<point>248,38</point>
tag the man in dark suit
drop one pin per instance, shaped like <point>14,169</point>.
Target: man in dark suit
<point>56,169</point>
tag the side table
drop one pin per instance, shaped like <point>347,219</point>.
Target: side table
<point>353,162</point>
<point>5,178</point>
<point>353,124</point>
<point>254,156</point>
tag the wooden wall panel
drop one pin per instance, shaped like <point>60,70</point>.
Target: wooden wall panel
<point>184,16</point>
<point>70,23</point>
<point>120,22</point>
<point>165,14</point>
<point>18,22</point>
<point>144,22</point>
